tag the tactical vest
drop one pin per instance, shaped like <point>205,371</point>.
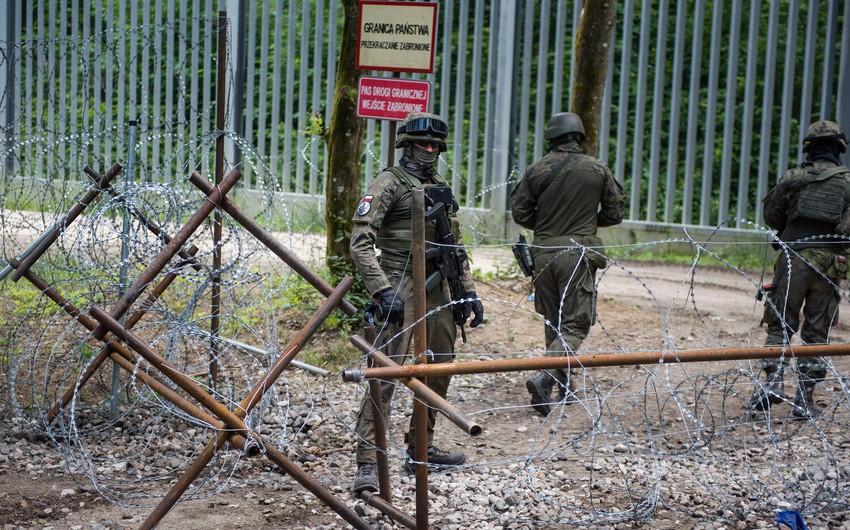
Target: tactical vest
<point>820,198</point>
<point>395,237</point>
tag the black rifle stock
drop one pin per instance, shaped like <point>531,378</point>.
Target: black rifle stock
<point>449,258</point>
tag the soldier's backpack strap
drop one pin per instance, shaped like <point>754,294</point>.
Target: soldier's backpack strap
<point>827,174</point>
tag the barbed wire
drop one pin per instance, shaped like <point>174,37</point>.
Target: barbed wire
<point>637,440</point>
<point>661,427</point>
<point>656,424</point>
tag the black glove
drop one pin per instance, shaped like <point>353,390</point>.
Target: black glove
<point>389,307</point>
<point>472,305</point>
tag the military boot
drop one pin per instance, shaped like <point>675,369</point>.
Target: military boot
<point>540,388</point>
<point>772,391</point>
<point>438,459</point>
<point>567,389</point>
<point>804,403</point>
<point>366,478</point>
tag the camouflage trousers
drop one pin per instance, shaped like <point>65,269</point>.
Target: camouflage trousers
<point>563,294</point>
<point>441,334</point>
<point>807,283</point>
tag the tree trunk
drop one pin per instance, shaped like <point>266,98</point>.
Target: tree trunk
<point>345,141</point>
<point>592,47</point>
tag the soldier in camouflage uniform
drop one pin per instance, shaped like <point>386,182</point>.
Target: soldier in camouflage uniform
<point>383,220</point>
<point>564,197</point>
<point>809,210</point>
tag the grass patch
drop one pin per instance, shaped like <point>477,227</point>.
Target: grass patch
<point>744,257</point>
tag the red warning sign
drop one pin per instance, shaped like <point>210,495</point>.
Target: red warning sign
<point>389,98</point>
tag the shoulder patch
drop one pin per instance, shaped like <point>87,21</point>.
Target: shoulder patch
<point>365,205</point>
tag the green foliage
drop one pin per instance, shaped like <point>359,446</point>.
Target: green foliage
<point>315,125</point>
<point>500,273</point>
<point>744,257</point>
<point>357,295</point>
<point>25,298</point>
<point>87,352</point>
<point>730,155</point>
<point>340,352</point>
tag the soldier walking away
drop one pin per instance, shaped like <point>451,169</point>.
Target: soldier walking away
<point>808,208</point>
<point>383,220</point>
<point>564,197</point>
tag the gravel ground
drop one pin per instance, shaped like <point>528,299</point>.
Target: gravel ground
<point>660,446</point>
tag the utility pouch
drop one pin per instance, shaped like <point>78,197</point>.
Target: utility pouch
<point>594,252</point>
<point>523,256</point>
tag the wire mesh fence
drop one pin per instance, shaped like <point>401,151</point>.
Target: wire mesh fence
<point>634,441</point>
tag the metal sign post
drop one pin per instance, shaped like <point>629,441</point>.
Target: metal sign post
<point>395,37</point>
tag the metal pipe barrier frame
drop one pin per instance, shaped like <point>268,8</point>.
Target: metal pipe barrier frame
<point>230,425</point>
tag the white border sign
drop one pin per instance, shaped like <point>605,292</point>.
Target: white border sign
<point>397,36</point>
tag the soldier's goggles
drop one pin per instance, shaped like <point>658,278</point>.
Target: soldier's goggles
<point>424,125</point>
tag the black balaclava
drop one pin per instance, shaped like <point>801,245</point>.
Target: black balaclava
<point>825,150</point>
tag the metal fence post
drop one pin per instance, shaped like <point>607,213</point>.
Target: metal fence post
<point>843,113</point>
<point>504,100</point>
<point>125,255</point>
<point>7,75</point>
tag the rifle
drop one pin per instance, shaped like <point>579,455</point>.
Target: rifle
<point>449,259</point>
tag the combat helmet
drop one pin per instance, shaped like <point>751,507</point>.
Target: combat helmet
<point>563,123</point>
<point>422,126</point>
<point>824,130</point>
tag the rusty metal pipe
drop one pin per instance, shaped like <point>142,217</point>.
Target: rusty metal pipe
<point>379,427</point>
<point>420,390</point>
<point>127,360</point>
<point>69,218</point>
<point>322,493</point>
<point>168,252</point>
<point>83,319</point>
<point>267,239</point>
<point>231,420</point>
<point>185,480</point>
<point>152,227</point>
<point>420,334</point>
<point>376,501</point>
<point>297,344</point>
<point>158,290</point>
<point>283,463</point>
<point>248,403</point>
<point>597,360</point>
<point>215,283</point>
<point>118,353</point>
<point>172,247</point>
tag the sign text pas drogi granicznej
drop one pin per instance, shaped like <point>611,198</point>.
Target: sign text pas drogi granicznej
<point>389,98</point>
<point>397,36</point>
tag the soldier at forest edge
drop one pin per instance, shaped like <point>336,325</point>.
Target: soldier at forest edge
<point>564,197</point>
<point>383,220</point>
<point>810,210</point>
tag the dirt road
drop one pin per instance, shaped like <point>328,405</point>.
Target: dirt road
<point>670,446</point>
